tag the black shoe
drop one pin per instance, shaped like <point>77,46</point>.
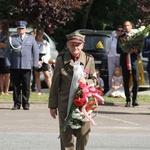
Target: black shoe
<point>127,104</point>
<point>26,108</point>
<point>135,104</point>
<point>15,108</point>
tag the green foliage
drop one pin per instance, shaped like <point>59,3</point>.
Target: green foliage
<point>59,17</point>
<point>49,14</point>
<point>5,10</point>
<point>110,13</point>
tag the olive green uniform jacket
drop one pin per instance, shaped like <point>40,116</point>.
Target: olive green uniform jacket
<point>62,78</point>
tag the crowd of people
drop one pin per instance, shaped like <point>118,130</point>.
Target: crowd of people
<point>24,54</point>
<point>21,54</point>
<point>117,59</point>
<point>64,74</point>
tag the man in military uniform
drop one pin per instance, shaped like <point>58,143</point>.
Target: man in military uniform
<point>20,51</point>
<point>60,89</point>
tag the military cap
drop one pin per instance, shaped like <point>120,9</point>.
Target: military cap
<point>21,24</point>
<point>75,37</point>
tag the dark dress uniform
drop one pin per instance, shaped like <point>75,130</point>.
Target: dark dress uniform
<point>59,95</point>
<point>19,55</point>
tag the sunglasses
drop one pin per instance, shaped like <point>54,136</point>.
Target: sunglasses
<point>120,30</point>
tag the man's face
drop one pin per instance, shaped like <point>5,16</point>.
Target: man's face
<point>21,31</point>
<point>75,47</point>
<point>127,26</point>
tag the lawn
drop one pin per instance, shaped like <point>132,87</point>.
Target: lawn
<point>34,97</point>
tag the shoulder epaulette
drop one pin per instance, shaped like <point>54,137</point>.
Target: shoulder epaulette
<point>14,35</point>
<point>60,54</point>
<point>88,55</point>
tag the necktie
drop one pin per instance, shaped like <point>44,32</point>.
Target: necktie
<point>21,37</point>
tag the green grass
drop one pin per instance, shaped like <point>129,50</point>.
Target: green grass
<point>140,98</point>
<point>34,97</point>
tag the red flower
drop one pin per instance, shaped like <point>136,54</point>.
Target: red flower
<point>82,85</point>
<point>87,108</point>
<point>79,101</point>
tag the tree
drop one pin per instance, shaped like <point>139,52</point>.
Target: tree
<point>47,13</point>
<point>60,17</point>
<point>108,14</point>
<point>5,10</point>
<point>143,9</point>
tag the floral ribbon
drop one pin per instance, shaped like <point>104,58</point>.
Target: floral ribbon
<point>128,60</point>
<point>88,91</point>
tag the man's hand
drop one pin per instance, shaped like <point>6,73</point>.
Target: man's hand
<point>133,50</point>
<point>53,112</point>
<point>82,79</point>
<point>40,63</point>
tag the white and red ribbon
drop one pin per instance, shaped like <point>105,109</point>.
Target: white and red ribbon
<point>90,90</point>
<point>128,60</point>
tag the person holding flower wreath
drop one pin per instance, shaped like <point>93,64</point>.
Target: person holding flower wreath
<point>63,83</point>
<point>146,53</point>
<point>129,62</point>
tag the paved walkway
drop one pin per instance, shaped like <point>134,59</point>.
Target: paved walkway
<point>117,128</point>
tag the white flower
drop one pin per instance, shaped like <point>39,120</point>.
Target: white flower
<point>75,115</point>
<point>84,119</point>
<point>81,113</point>
<point>141,28</point>
<point>75,126</point>
<point>77,110</point>
<point>134,31</point>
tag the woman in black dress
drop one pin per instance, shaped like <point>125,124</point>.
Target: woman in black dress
<point>4,72</point>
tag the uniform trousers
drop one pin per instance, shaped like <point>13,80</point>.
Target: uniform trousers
<point>67,138</point>
<point>21,85</point>
<point>126,77</point>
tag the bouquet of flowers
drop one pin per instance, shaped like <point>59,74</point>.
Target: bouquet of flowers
<point>84,102</point>
<point>136,40</point>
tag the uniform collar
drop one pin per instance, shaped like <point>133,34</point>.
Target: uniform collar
<point>74,58</point>
<point>69,60</point>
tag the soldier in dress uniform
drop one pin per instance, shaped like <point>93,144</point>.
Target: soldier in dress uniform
<point>21,53</point>
<point>60,90</point>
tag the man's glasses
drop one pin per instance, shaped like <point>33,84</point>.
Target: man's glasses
<point>75,44</point>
